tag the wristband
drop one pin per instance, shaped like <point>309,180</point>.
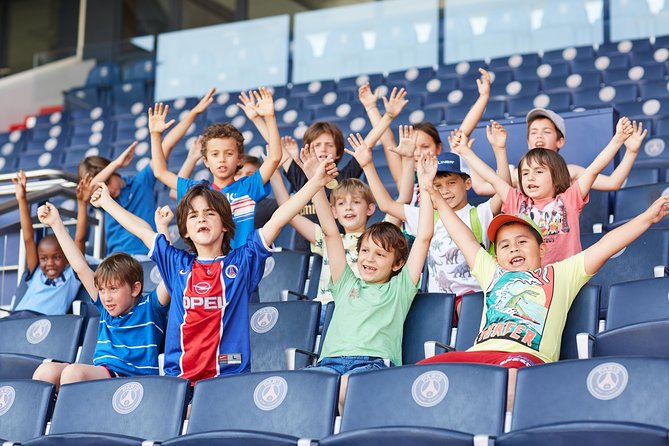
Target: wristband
<point>390,115</point>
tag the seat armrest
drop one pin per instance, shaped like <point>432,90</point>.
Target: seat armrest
<point>291,352</point>
<point>430,348</point>
<point>584,343</point>
<point>287,294</point>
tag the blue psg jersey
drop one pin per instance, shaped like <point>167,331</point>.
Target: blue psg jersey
<point>208,326</point>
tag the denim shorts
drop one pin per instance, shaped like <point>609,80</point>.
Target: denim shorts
<point>347,365</point>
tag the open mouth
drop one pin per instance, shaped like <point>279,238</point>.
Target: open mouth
<point>368,269</point>
<point>203,229</point>
<point>517,261</point>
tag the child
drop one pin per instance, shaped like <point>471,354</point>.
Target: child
<point>131,327</point>
<point>546,193</point>
<point>250,164</point>
<point>208,327</point>
<point>366,328</point>
<point>526,304</point>
<point>53,286</point>
<point>546,129</point>
<point>135,193</point>
<point>223,152</point>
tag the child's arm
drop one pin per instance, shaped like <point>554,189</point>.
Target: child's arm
<point>48,215</point>
<point>26,222</point>
<point>405,150</point>
<point>264,107</point>
<point>363,155</point>
<point>83,193</point>
<point>617,239</point>
<point>427,169</point>
<point>303,226</point>
<point>163,217</point>
<point>463,147</point>
<point>132,223</point>
<point>248,105</point>
<point>326,172</point>
<point>121,161</point>
<point>393,106</point>
<point>476,112</point>
<point>194,155</point>
<point>496,135</point>
<point>623,131</point>
<point>157,126</point>
<point>179,130</point>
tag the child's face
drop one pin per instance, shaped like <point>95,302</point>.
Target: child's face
<point>542,133</point>
<point>52,261</point>
<point>537,181</point>
<point>246,170</point>
<point>324,145</point>
<point>203,224</point>
<point>222,158</point>
<point>352,212</point>
<point>119,297</point>
<point>375,264</point>
<point>426,145</point>
<point>517,249</point>
<point>453,188</point>
<point>115,183</point>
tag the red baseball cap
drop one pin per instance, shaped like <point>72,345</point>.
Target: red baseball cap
<point>503,219</point>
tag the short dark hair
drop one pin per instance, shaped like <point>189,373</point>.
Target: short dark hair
<point>464,176</point>
<point>119,268</point>
<point>318,128</point>
<point>220,131</point>
<point>218,202</point>
<point>254,160</point>
<point>555,164</point>
<point>430,129</point>
<point>92,165</point>
<point>390,238</point>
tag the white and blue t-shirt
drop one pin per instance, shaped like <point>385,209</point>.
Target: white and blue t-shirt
<point>208,326</point>
<point>129,344</point>
<point>49,297</point>
<point>243,195</point>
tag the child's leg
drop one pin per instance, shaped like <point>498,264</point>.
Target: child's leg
<point>50,372</point>
<point>511,389</point>
<point>83,372</point>
<point>343,383</point>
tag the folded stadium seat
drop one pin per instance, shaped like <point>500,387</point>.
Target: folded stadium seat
<point>423,404</point>
<point>272,408</point>
<point>44,160</point>
<point>624,47</point>
<point>643,58</point>
<point>327,98</point>
<point>525,88</point>
<point>282,103</point>
<point>128,93</point>
<point>389,84</point>
<point>637,301</point>
<point>411,74</point>
<point>90,340</point>
<point>654,89</point>
<point>339,111</point>
<point>313,87</point>
<point>518,106</point>
<point>583,317</point>
<point>553,68</point>
<point>125,411</point>
<point>631,201</point>
<point>661,127</point>
<point>103,75</point>
<point>8,164</point>
<point>26,407</point>
<point>500,76</point>
<point>89,114</point>
<point>84,98</point>
<point>650,108</point>
<point>453,98</point>
<point>287,238</point>
<point>285,270</point>
<point>642,176</point>
<point>635,74</point>
<point>291,117</point>
<point>433,115</point>
<point>432,85</point>
<point>97,89</point>
<point>50,119</point>
<point>179,106</point>
<point>601,63</point>
<point>613,401</point>
<point>43,133</point>
<point>141,70</point>
<point>515,61</point>
<point>494,110</point>
<point>429,319</point>
<point>556,84</point>
<point>354,82</point>
<point>605,96</point>
<point>638,261</point>
<point>278,326</point>
<point>569,54</point>
<point>461,68</point>
<point>55,337</point>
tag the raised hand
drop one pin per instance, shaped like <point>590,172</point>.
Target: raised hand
<point>248,104</point>
<point>361,152</point>
<point>396,103</point>
<point>195,151</point>
<point>289,147</point>
<point>459,142</point>
<point>264,102</point>
<point>157,117</point>
<point>624,128</point>
<point>20,184</point>
<point>407,145</point>
<point>496,134</point>
<point>84,189</point>
<point>308,161</point>
<point>100,196</point>
<point>48,214</point>
<point>483,83</point>
<point>126,156</point>
<point>163,216</point>
<point>326,171</point>
<point>659,209</point>
<point>205,102</point>
<point>633,142</point>
<point>367,98</point>
<point>426,169</point>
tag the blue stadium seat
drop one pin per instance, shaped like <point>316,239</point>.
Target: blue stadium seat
<point>429,319</point>
<point>128,94</point>
<point>494,110</point>
<point>608,62</point>
<point>635,74</point>
<point>604,97</point>
<point>520,105</point>
<point>553,68</point>
<point>26,407</point>
<point>354,82</point>
<point>654,153</point>
<point>90,341</point>
<point>285,270</point>
<point>635,262</point>
<point>309,88</point>
<point>441,397</point>
<point>569,54</point>
<point>631,201</point>
<point>339,111</point>
<point>272,408</point>
<point>314,276</point>
<point>55,337</point>
<point>661,127</point>
<point>411,74</point>
<point>642,176</point>
<point>141,70</point>
<point>469,322</point>
<point>637,301</point>
<point>644,109</point>
<point>278,326</point>
<point>103,75</point>
<point>432,85</point>
<point>515,61</point>
<point>516,88</point>
<point>654,89</point>
<point>460,68</point>
<point>327,98</point>
<point>642,339</point>
<point>624,47</point>
<point>124,411</point>
<point>18,366</point>
<point>570,82</point>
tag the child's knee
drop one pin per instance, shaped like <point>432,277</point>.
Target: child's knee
<point>73,373</point>
<point>48,372</point>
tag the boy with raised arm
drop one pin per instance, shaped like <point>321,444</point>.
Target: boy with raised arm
<point>208,327</point>
<point>223,154</point>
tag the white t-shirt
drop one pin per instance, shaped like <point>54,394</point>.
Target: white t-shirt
<point>448,271</point>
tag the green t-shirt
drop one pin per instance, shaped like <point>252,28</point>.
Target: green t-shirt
<point>369,317</point>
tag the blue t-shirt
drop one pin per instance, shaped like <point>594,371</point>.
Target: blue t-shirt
<point>208,325</point>
<point>137,198</point>
<point>129,344</point>
<point>243,195</point>
<point>49,299</point>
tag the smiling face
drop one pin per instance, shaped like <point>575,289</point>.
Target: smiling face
<point>453,188</point>
<point>536,180</point>
<point>426,144</point>
<point>52,261</point>
<point>119,297</point>
<point>376,264</point>
<point>222,158</point>
<point>542,133</point>
<point>352,211</point>
<point>517,248</point>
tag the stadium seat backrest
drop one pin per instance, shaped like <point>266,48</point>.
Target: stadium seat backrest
<point>583,317</point>
<point>638,301</point>
<point>631,201</point>
<point>151,276</point>
<point>300,403</point>
<point>429,319</point>
<point>641,339</point>
<point>314,275</point>
<point>25,406</point>
<point>447,396</point>
<point>602,389</point>
<point>469,322</point>
<point>55,337</point>
<point>285,270</point>
<point>90,341</point>
<point>18,366</point>
<point>277,326</point>
<point>103,75</point>
<point>148,407</point>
